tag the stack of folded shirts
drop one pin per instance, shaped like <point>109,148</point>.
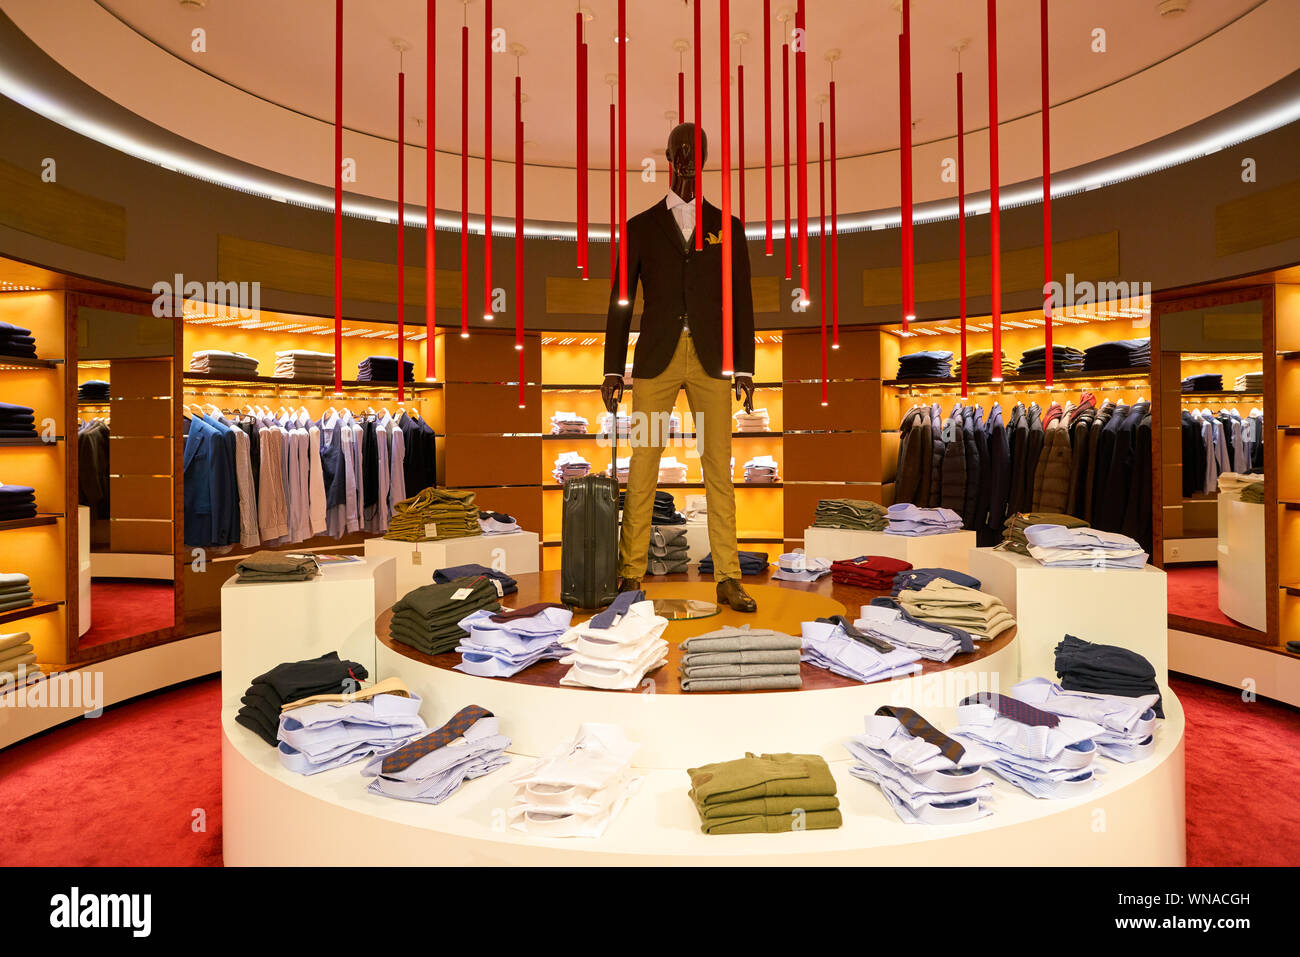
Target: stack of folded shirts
<point>1253,493</point>
<point>886,619</point>
<point>1250,382</point>
<point>1128,724</point>
<point>570,465</point>
<point>925,365</point>
<point>697,508</point>
<point>765,794</point>
<point>568,423</point>
<point>979,365</point>
<point>497,523</point>
<point>918,578</point>
<point>740,659</point>
<point>17,502</point>
<point>473,570</point>
<point>578,789</point>
<point>751,563</point>
<point>798,567</point>
<point>621,468</point>
<point>615,648</point>
<point>665,509</point>
<point>1013,529</point>
<point>501,644</point>
<point>264,566</point>
<point>293,681</point>
<point>228,365</point>
<point>328,731</point>
<point>942,602</point>
<point>16,342</point>
<point>905,519</point>
<point>304,364</point>
<point>761,470</point>
<point>1205,382</point>
<point>432,767</point>
<point>669,553</point>
<point>850,513</point>
<point>1105,669</point>
<point>17,661</point>
<point>606,423</point>
<point>433,514</point>
<point>671,471</point>
<point>1033,362</point>
<point>1124,354</point>
<point>877,572</point>
<point>926,776</point>
<point>428,618</point>
<point>1059,547</point>
<point>1043,754</point>
<point>17,421</point>
<point>756,421</point>
<point>15,591</point>
<point>838,646</point>
<point>93,390</point>
<point>1232,484</point>
<point>384,369</point>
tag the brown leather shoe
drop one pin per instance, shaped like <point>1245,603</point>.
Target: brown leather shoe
<point>733,594</point>
<point>629,584</point>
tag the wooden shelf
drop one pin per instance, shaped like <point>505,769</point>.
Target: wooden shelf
<point>263,380</point>
<point>38,607</point>
<point>1292,590</point>
<point>588,387</point>
<point>15,363</point>
<point>1013,381</point>
<point>1226,394</point>
<point>45,519</point>
<point>1289,356</point>
<point>554,487</point>
<point>6,443</point>
<point>580,436</point>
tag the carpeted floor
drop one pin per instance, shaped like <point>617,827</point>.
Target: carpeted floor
<point>125,607</point>
<point>128,788</point>
<point>1194,593</point>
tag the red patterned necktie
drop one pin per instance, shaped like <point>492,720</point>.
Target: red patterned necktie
<point>408,754</point>
<point>918,727</point>
<point>1015,709</point>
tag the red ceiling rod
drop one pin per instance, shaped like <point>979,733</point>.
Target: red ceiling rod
<point>905,161</point>
<point>699,141</point>
<point>430,156</point>
<point>995,211</point>
<point>724,71</point>
<point>487,159</point>
<point>767,127</point>
<point>622,152</point>
<point>821,238</point>
<point>338,195</point>
<point>519,233</point>
<point>801,141</point>
<point>464,182</point>
<point>835,225</point>
<point>785,135</point>
<point>740,136</point>
<point>1047,196</point>
<point>613,192</point>
<point>401,236</point>
<point>582,147</point>
<point>961,221</point>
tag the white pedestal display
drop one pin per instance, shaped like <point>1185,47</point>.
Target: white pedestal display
<point>514,554</point>
<point>949,550</point>
<point>266,623</point>
<point>1242,579</point>
<point>1127,607</point>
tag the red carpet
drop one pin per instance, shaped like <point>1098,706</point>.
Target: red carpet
<point>122,789</point>
<point>125,607</point>
<point>1194,593</point>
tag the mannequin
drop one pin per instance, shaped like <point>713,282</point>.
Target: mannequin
<point>680,346</point>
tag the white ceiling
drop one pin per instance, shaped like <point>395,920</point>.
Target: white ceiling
<point>282,51</point>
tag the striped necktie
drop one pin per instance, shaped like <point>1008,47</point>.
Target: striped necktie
<point>1014,708</point>
<point>918,727</point>
<point>405,756</point>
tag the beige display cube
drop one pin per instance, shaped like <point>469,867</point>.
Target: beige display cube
<point>948,550</point>
<point>1240,554</point>
<point>514,553</point>
<point>1127,607</point>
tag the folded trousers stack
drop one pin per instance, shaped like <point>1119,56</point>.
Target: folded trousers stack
<point>765,794</point>
<point>227,365</point>
<point>984,616</point>
<point>740,659</point>
<point>1105,669</point>
<point>979,365</point>
<point>1033,362</point>
<point>265,566</point>
<point>427,618</point>
<point>293,681</point>
<point>435,513</point>
<point>669,553</point>
<point>17,660</point>
<point>850,513</point>
<point>15,591</point>
<point>384,369</point>
<point>751,563</point>
<point>304,364</point>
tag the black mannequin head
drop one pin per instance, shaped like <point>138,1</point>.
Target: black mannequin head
<point>681,158</point>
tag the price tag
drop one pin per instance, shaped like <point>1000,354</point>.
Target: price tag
<point>461,594</point>
<point>431,530</point>
<point>497,585</point>
<point>417,557</point>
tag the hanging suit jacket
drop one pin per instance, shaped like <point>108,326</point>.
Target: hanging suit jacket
<point>974,466</point>
<point>1099,423</point>
<point>1101,471</point>
<point>1018,439</point>
<point>1080,444</point>
<point>999,479</point>
<point>954,464</point>
<point>1137,511</point>
<point>979,517</point>
<point>1052,477</point>
<point>1111,505</point>
<point>912,481</point>
<point>1037,435</point>
<point>936,457</point>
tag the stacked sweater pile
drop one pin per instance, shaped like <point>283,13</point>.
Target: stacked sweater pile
<point>17,660</point>
<point>304,364</point>
<point>615,648</point>
<point>428,618</point>
<point>17,421</point>
<point>740,659</point>
<point>665,509</point>
<point>1105,669</point>
<point>93,390</point>
<point>942,602</point>
<point>934,364</point>
<point>1033,362</point>
<point>384,369</point>
<point>433,514</point>
<point>850,513</point>
<point>1117,356</point>
<point>578,789</point>
<point>765,794</point>
<point>16,342</point>
<point>293,681</point>
<point>503,643</point>
<point>266,567</point>
<point>17,502</point>
<point>228,365</point>
<point>979,365</point>
<point>1013,529</point>
<point>668,553</point>
<point>876,572</point>
<point>1249,382</point>
<point>1203,382</point>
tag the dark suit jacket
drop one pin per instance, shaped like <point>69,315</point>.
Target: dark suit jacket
<point>911,483</point>
<point>680,285</point>
<point>999,471</point>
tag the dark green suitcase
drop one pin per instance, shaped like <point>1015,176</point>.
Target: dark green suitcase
<point>589,538</point>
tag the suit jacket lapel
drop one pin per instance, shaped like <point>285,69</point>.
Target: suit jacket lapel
<point>665,218</point>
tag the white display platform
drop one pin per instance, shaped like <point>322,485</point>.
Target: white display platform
<point>1242,578</point>
<point>949,550</point>
<point>1127,607</point>
<point>264,624</point>
<point>684,730</point>
<point>515,553</point>
<point>272,817</point>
